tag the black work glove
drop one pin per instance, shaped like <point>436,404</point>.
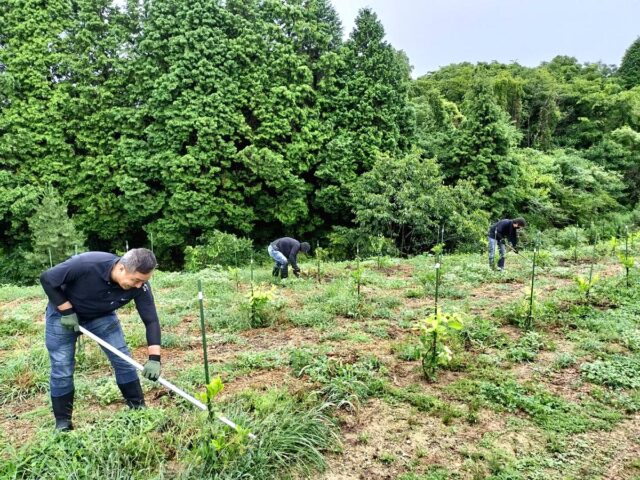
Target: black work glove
<point>69,320</point>
<point>296,272</point>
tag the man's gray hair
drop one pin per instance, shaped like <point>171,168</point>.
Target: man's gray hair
<point>140,260</point>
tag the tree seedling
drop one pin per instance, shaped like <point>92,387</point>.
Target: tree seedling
<point>435,330</point>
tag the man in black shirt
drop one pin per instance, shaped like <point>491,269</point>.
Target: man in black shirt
<point>86,290</point>
<point>499,233</point>
<point>284,251</point>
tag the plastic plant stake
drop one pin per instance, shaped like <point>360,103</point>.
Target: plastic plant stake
<point>161,380</point>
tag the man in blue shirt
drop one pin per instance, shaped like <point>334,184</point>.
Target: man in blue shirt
<point>499,233</point>
<point>86,290</point>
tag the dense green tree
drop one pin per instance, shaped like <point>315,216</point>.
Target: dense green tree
<point>482,144</point>
<point>54,236</point>
<point>404,199</point>
<point>629,71</point>
<point>620,151</point>
<point>370,113</point>
<point>33,146</point>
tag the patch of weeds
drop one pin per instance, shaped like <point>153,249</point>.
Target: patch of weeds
<point>414,293</point>
<point>564,360</point>
<point>248,362</point>
<point>301,358</point>
<point>378,330</point>
<point>387,458</point>
<point>15,324</point>
<point>106,391</point>
<point>311,317</point>
<point>483,333</point>
<point>527,348</point>
<point>228,339</point>
<point>629,403</point>
<point>548,411</point>
<point>9,293</point>
<point>616,371</point>
<point>292,436</point>
<point>125,445</point>
<point>425,403</point>
<point>434,472</point>
<point>406,351</point>
<point>24,375</point>
<point>136,336</point>
<point>172,340</point>
<point>346,384</point>
<point>346,335</point>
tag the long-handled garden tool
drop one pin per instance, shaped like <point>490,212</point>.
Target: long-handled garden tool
<point>161,380</point>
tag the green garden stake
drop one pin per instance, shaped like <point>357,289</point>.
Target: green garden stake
<point>204,345</point>
<point>318,259</point>
<point>50,259</point>
<point>626,251</point>
<point>593,260</point>
<point>126,245</point>
<point>204,334</point>
<point>251,264</point>
<point>529,323</point>
<point>151,239</point>
<point>437,282</point>
<point>76,248</point>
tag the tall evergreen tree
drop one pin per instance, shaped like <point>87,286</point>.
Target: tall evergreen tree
<point>483,143</point>
<point>629,70</point>
<point>96,77</point>
<point>370,113</point>
<point>54,236</point>
<point>33,147</point>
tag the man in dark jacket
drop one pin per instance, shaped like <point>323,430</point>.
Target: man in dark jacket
<point>284,251</point>
<point>86,290</point>
<point>499,233</point>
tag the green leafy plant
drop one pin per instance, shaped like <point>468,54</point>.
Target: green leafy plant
<point>234,275</point>
<point>378,244</point>
<point>435,331</point>
<point>586,284</point>
<point>357,275</point>
<point>218,248</point>
<point>222,446</point>
<point>321,255</point>
<point>627,262</point>
<point>259,306</point>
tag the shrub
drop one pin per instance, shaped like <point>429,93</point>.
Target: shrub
<point>219,248</point>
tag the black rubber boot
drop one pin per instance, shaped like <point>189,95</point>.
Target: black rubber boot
<point>62,411</point>
<point>284,272</point>
<point>132,393</point>
<point>276,271</point>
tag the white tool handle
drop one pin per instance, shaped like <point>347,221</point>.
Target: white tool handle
<point>161,380</point>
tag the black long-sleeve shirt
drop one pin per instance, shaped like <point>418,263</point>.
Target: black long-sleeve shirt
<point>85,281</point>
<point>289,247</point>
<point>504,229</point>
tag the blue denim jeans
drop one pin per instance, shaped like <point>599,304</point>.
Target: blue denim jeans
<point>492,252</point>
<point>277,256</point>
<point>61,344</point>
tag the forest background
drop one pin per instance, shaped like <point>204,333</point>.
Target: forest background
<point>163,123</point>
